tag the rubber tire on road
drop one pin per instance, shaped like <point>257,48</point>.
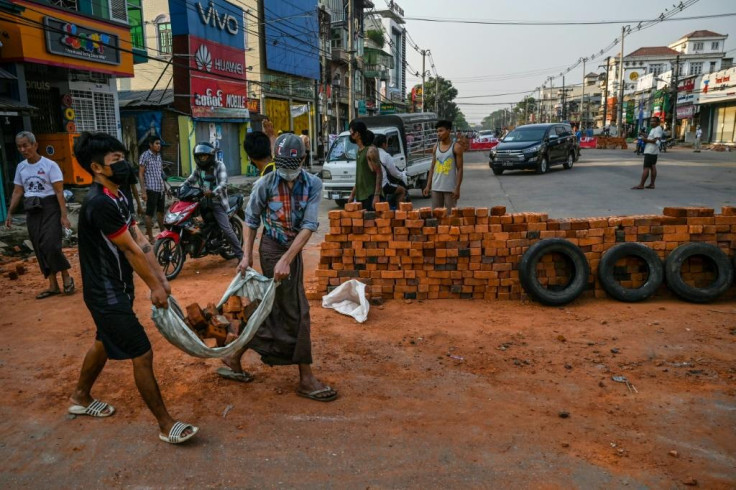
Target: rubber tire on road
<point>173,247</point>
<point>632,249</point>
<point>569,162</point>
<point>673,272</point>
<point>543,166</point>
<point>497,171</point>
<point>528,271</point>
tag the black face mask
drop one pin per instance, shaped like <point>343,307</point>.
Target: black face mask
<point>120,172</point>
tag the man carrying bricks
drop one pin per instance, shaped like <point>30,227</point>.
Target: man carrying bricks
<point>651,150</point>
<point>287,202</point>
<point>111,247</point>
<point>446,173</point>
<point>368,173</point>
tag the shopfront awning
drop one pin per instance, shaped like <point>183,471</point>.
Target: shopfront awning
<point>11,107</point>
<point>6,75</point>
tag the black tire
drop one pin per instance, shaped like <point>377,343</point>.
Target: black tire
<point>542,165</point>
<point>497,171</point>
<point>528,272</point>
<point>673,272</point>
<point>570,161</point>
<point>170,256</point>
<point>632,249</point>
<point>341,202</point>
<point>237,225</point>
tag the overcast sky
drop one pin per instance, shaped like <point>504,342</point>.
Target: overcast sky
<point>493,59</point>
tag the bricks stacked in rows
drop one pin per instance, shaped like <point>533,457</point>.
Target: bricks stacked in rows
<point>474,252</point>
<point>223,325</point>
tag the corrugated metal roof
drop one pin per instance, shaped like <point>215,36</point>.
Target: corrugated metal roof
<point>15,105</point>
<point>129,99</point>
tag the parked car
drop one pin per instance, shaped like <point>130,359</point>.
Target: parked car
<point>535,146</point>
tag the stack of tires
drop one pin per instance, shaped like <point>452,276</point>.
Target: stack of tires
<point>670,271</point>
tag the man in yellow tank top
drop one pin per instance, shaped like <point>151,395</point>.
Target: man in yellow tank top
<point>446,173</point>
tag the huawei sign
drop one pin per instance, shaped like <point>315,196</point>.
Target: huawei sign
<point>207,62</point>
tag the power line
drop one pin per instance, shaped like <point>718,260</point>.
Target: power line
<point>560,23</point>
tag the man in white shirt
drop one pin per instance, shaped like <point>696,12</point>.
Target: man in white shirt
<point>393,178</point>
<point>698,137</point>
<point>651,151</point>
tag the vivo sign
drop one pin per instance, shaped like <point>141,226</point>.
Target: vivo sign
<point>222,21</point>
<point>215,20</point>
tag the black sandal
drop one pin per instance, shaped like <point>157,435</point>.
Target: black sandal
<point>47,293</point>
<point>69,288</point>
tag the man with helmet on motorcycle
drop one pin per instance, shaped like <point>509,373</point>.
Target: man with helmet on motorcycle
<point>207,165</point>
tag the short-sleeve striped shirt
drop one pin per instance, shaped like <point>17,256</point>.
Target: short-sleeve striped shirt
<point>153,170</point>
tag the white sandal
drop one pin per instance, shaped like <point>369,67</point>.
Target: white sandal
<point>94,409</point>
<point>175,434</point>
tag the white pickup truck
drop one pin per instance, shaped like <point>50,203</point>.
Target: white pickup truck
<point>410,137</point>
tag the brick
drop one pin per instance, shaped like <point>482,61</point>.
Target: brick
<point>353,206</point>
<point>406,206</point>
<point>382,207</point>
<point>498,210</point>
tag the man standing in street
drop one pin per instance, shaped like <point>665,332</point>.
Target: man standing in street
<point>651,151</point>
<point>111,247</point>
<point>152,185</point>
<point>287,202</point>
<point>368,174</point>
<point>698,137</point>
<point>446,173</point>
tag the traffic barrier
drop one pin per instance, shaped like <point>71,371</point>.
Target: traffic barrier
<point>475,252</point>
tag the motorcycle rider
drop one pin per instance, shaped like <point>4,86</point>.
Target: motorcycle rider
<point>206,165</point>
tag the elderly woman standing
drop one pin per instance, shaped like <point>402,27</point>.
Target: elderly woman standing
<point>38,181</point>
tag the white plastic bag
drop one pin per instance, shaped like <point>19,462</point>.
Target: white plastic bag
<point>170,321</point>
<point>349,299</point>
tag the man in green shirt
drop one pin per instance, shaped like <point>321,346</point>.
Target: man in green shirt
<point>368,174</point>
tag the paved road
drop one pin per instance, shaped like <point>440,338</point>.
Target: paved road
<point>599,185</point>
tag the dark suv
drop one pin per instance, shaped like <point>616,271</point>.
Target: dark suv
<point>535,146</point>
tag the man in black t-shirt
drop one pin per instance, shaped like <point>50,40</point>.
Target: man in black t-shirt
<point>111,247</point>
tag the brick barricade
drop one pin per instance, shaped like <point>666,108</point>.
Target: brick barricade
<point>474,253</point>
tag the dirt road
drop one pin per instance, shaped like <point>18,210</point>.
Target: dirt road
<point>451,394</point>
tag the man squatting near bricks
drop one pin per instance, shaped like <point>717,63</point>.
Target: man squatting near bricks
<point>287,202</point>
<point>111,247</point>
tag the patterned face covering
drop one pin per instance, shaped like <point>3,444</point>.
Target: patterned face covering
<point>288,174</point>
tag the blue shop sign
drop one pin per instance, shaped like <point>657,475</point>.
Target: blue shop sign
<point>215,20</point>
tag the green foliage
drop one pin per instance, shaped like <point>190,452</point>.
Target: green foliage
<point>375,36</point>
<point>446,108</point>
<point>459,123</point>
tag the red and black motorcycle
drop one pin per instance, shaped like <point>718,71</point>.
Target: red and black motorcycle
<point>192,230</point>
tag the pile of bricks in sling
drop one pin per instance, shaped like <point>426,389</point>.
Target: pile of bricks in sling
<point>473,253</point>
<point>223,325</point>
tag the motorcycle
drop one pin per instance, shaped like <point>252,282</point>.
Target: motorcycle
<point>192,230</point>
<point>666,143</point>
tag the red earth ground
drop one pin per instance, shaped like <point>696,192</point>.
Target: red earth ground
<point>434,394</point>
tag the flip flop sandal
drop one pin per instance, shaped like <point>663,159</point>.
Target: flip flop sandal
<point>69,288</point>
<point>94,409</point>
<point>175,434</point>
<point>46,294</point>
<point>228,373</point>
<point>314,395</point>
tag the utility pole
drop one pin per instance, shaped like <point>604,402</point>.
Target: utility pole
<point>539,103</point>
<point>621,84</point>
<point>605,92</point>
<point>582,100</point>
<point>424,73</point>
<point>675,80</point>
<point>564,109</point>
<point>351,58</point>
<point>324,30</point>
<point>437,95</point>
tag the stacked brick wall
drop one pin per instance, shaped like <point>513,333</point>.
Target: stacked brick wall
<point>475,252</point>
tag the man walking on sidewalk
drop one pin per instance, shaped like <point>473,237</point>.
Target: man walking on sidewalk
<point>698,137</point>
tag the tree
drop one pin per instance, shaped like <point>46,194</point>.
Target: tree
<point>496,119</point>
<point>459,122</point>
<point>524,109</point>
<point>446,108</point>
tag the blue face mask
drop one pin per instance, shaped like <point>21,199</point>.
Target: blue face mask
<point>288,174</point>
